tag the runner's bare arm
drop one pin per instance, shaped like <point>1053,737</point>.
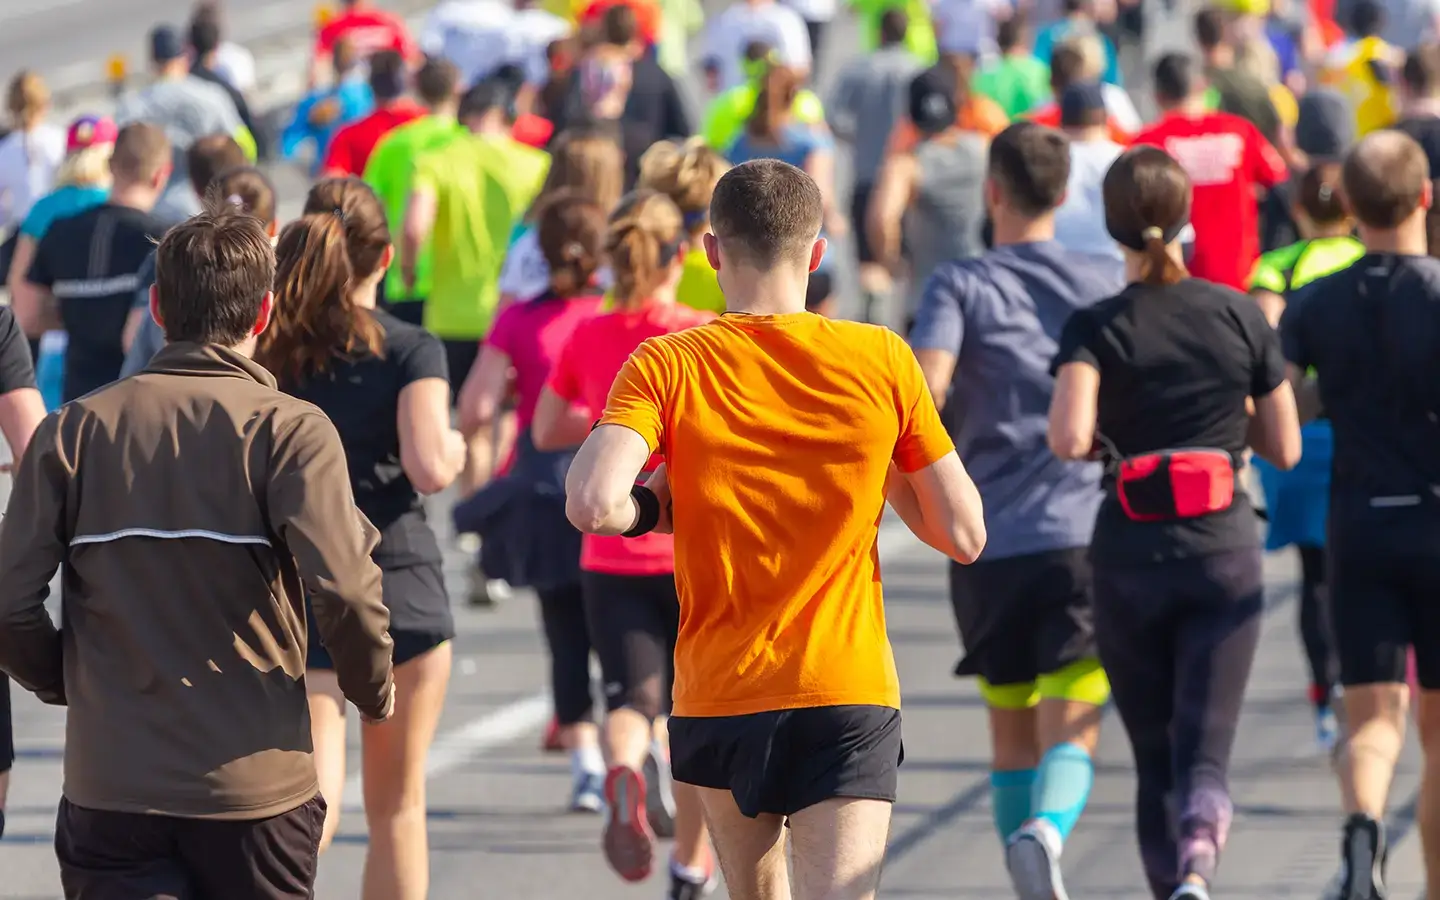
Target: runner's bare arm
<point>597,488</point>
<point>1072,411</point>
<point>893,193</point>
<point>484,388</point>
<point>420,212</point>
<point>557,423</point>
<point>939,369</point>
<point>1307,393</point>
<point>941,506</point>
<point>1274,432</point>
<point>431,452</point>
<point>21,412</point>
<point>32,546</point>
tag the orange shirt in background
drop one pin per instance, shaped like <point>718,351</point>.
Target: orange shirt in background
<point>1049,116</point>
<point>980,115</point>
<point>778,433</point>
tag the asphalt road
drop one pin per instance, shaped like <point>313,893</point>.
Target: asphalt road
<point>496,818</point>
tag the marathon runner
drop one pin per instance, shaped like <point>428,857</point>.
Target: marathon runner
<point>350,149</point>
<point>798,723</point>
<point>630,585</point>
<point>521,516</point>
<point>687,173</point>
<point>986,332</point>
<point>326,109</point>
<point>1016,79</point>
<point>1297,501</point>
<point>384,384</point>
<point>187,763</point>
<point>30,156</point>
<point>1372,336</point>
<point>367,30</point>
<point>728,112</point>
<point>1157,380</point>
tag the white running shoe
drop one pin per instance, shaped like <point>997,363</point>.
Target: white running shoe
<point>1033,857</point>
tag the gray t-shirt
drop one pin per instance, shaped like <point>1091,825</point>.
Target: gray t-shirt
<point>1001,314</point>
<point>187,108</point>
<point>871,96</point>
<point>947,212</point>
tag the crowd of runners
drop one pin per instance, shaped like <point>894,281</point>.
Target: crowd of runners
<point>527,274</point>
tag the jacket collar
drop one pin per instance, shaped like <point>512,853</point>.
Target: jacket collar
<point>186,358</point>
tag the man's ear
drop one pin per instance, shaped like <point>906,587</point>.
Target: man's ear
<point>712,250</point>
<point>267,311</point>
<point>817,253</point>
<point>155,306</point>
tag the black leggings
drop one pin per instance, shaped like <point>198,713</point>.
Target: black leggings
<point>1177,639</point>
<point>634,620</point>
<point>562,613</point>
<point>1315,633</point>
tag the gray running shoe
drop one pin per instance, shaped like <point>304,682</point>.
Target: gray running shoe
<point>1033,857</point>
<point>659,795</point>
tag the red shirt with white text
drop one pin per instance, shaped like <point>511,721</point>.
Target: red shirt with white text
<point>1227,160</point>
<point>370,30</point>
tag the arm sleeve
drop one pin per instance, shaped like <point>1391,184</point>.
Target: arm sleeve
<point>637,396</point>
<point>940,322</point>
<point>423,357</point>
<point>922,438</point>
<point>1078,341</point>
<point>32,546</point>
<point>17,369</point>
<point>313,511</point>
<point>35,221</point>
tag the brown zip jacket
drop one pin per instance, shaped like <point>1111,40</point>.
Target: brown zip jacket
<point>191,508</point>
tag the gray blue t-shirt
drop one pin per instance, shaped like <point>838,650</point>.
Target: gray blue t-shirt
<point>1001,315</point>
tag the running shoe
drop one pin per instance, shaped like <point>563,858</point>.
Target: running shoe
<point>659,795</point>
<point>1191,891</point>
<point>1033,857</point>
<point>551,742</point>
<point>588,795</point>
<point>684,888</point>
<point>1327,729</point>
<point>628,841</point>
<point>1362,860</point>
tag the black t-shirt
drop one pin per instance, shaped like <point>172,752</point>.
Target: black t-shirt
<point>1372,334</point>
<point>1176,366</point>
<point>90,263</point>
<point>361,396</point>
<point>17,369</point>
<point>1426,132</point>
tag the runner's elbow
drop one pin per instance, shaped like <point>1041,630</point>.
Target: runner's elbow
<point>1068,445</point>
<point>967,540</point>
<point>589,513</point>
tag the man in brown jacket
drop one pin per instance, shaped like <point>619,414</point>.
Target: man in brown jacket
<point>192,507</point>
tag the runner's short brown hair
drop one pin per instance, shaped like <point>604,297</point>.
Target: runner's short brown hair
<point>765,211</point>
<point>212,272</point>
<point>1031,165</point>
<point>1384,178</point>
<point>141,151</point>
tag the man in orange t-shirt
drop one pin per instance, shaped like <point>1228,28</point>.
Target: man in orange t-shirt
<point>784,434</point>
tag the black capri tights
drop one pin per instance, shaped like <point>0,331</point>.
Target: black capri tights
<point>562,613</point>
<point>1315,631</point>
<point>633,621</point>
<point>1177,639</point>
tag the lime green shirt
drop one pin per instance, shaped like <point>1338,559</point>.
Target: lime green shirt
<point>919,38</point>
<point>391,173</point>
<point>727,114</point>
<point>679,21</point>
<point>482,187</point>
<point>1017,84</point>
<point>699,286</point>
<point>1283,270</point>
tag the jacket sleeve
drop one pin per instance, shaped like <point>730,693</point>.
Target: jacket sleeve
<point>313,510</point>
<point>32,546</point>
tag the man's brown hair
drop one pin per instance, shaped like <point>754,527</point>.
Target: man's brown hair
<point>141,151</point>
<point>1031,165</point>
<point>1384,178</point>
<point>766,211</point>
<point>211,155</point>
<point>211,273</point>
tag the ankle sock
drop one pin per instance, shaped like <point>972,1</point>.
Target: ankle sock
<point>586,761</point>
<point>1062,786</point>
<point>1010,799</point>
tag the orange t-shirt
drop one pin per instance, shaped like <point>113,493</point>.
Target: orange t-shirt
<point>1049,116</point>
<point>778,433</point>
<point>980,115</point>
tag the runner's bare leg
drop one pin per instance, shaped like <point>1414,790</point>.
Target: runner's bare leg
<point>327,734</point>
<point>751,851</point>
<point>838,848</point>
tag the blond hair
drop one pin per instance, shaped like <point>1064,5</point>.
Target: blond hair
<point>642,242</point>
<point>686,173</point>
<point>89,167</point>
<point>27,99</point>
<point>1091,51</point>
<point>588,162</point>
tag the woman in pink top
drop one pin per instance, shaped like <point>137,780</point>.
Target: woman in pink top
<point>521,516</point>
<point>629,584</point>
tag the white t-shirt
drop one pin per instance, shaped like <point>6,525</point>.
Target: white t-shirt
<point>480,36</point>
<point>236,65</point>
<point>28,163</point>
<point>732,31</point>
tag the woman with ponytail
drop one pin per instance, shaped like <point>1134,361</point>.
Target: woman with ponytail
<point>30,155</point>
<point>520,517</point>
<point>384,384</point>
<point>687,173</point>
<point>1170,383</point>
<point>628,584</point>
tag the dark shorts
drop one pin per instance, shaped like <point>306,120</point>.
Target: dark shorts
<point>420,587</point>
<point>1385,599</point>
<point>7,727</point>
<point>1023,616</point>
<point>788,760</point>
<point>127,856</point>
<point>461,356</point>
<point>859,209</point>
<point>633,621</point>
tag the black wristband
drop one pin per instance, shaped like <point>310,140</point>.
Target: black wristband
<point>649,507</point>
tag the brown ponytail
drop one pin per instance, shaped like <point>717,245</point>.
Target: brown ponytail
<point>1147,198</point>
<point>341,240</point>
<point>643,240</point>
<point>571,234</point>
<point>1160,267</point>
<point>772,107</point>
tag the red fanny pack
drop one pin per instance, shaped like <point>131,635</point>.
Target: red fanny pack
<point>1175,484</point>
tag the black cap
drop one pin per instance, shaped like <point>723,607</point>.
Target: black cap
<point>1325,128</point>
<point>932,99</point>
<point>1077,103</point>
<point>165,44</point>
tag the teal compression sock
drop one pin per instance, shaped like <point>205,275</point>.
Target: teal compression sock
<point>1062,786</point>
<point>1010,799</point>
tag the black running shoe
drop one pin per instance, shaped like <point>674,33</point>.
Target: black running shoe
<point>1362,859</point>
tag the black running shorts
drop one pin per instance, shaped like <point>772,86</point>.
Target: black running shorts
<point>633,621</point>
<point>784,761</point>
<point>1384,599</point>
<point>1023,616</point>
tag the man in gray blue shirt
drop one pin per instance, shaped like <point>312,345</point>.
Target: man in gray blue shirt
<point>985,334</point>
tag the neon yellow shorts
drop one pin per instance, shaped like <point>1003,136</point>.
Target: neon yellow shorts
<point>1083,681</point>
